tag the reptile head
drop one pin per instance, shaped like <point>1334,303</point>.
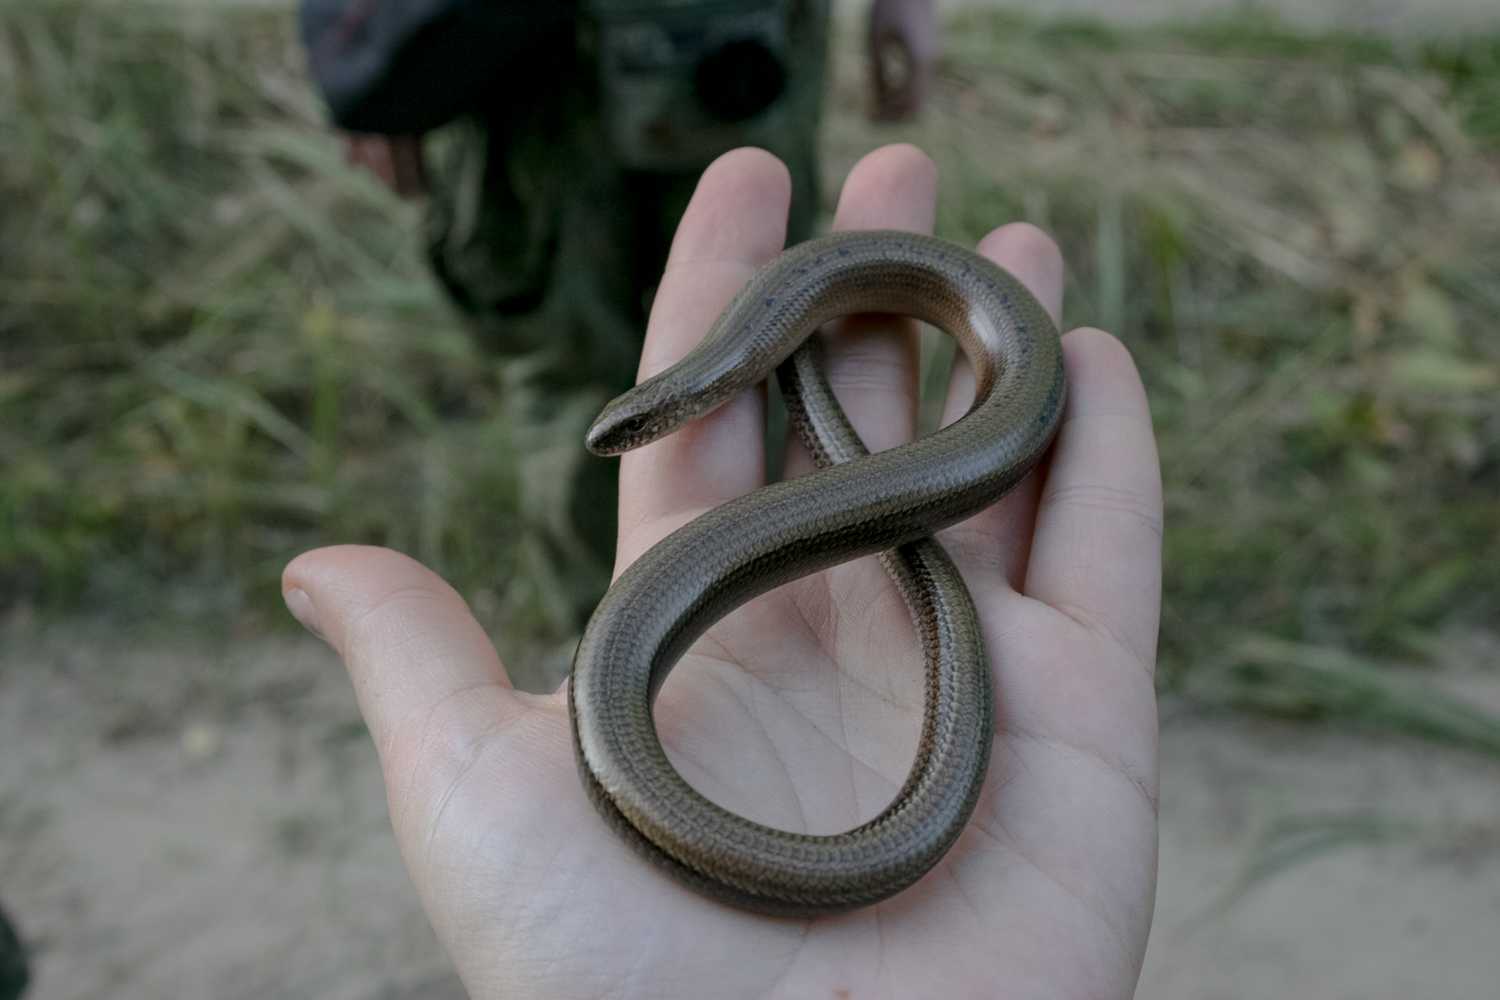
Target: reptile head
<point>627,422</point>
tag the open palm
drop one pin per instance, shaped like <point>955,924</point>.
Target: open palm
<point>801,709</point>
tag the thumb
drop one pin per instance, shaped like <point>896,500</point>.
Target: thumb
<point>426,677</point>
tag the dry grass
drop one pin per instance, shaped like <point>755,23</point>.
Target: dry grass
<point>220,345</point>
<point>1300,240</point>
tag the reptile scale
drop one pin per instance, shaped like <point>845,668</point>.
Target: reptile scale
<point>854,504</point>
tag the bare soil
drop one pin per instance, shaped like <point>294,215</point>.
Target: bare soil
<point>203,817</point>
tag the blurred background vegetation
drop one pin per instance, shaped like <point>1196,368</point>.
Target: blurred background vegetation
<point>219,345</point>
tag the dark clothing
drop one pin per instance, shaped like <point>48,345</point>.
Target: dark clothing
<point>578,133</point>
<point>575,139</point>
<point>559,206</point>
<point>410,66</point>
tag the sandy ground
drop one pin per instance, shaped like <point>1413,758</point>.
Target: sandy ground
<point>205,819</point>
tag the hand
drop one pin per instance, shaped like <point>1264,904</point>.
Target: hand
<point>903,51</point>
<point>801,709</point>
<point>395,159</point>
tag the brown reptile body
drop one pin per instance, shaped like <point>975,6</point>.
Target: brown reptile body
<point>855,504</point>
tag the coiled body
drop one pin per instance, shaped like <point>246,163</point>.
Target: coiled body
<point>857,503</point>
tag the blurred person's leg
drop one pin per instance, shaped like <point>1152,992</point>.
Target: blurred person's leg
<point>536,238</point>
<point>552,249</point>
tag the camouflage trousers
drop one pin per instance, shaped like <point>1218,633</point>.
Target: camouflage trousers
<point>552,250</point>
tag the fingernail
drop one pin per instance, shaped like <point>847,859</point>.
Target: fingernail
<point>301,607</point>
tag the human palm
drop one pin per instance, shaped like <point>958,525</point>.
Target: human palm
<point>802,708</point>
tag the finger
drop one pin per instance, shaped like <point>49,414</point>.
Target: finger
<point>426,676</point>
<point>1096,555</point>
<point>1032,256</point>
<point>735,222</point>
<point>872,361</point>
<point>994,544</point>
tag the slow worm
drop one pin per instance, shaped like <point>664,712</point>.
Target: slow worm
<point>856,503</point>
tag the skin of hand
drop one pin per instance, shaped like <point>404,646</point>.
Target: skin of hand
<point>801,708</point>
<point>395,159</point>
<point>903,45</point>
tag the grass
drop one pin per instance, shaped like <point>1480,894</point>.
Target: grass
<point>219,345</point>
<point>1300,240</point>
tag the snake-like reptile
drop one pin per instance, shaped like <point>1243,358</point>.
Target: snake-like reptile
<point>856,503</point>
